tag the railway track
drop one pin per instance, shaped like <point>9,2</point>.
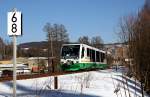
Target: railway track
<point>31,76</point>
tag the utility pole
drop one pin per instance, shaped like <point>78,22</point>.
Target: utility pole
<point>52,61</point>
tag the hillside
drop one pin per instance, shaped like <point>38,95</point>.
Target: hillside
<point>41,44</point>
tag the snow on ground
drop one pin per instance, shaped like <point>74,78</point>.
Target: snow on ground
<point>102,83</point>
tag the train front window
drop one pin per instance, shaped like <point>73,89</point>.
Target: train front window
<point>70,51</point>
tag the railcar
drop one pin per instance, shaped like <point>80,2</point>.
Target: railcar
<point>81,56</point>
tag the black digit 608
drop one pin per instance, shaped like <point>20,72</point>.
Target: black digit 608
<point>14,26</point>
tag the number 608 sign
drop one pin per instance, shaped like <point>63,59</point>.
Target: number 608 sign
<point>14,23</point>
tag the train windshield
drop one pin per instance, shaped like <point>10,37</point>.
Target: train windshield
<point>70,51</point>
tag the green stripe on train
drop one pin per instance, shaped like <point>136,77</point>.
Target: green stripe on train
<point>81,66</point>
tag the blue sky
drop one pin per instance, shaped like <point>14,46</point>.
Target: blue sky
<point>80,17</point>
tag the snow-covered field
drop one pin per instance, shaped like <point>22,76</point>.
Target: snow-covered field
<point>103,83</point>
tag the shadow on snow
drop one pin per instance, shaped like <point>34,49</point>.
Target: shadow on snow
<point>49,93</point>
<point>28,92</point>
<point>131,85</point>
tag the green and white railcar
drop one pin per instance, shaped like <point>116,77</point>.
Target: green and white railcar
<point>81,56</point>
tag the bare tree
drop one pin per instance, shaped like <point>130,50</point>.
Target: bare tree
<point>135,31</point>
<point>56,36</point>
<point>97,42</point>
<point>84,40</point>
<point>2,48</point>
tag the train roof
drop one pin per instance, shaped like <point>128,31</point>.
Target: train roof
<point>72,44</point>
<point>85,45</point>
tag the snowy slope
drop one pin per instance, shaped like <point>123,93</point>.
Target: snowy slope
<point>103,83</point>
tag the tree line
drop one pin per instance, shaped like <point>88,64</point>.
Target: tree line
<point>5,49</point>
<point>56,35</point>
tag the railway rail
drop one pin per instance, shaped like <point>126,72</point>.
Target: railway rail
<point>31,76</point>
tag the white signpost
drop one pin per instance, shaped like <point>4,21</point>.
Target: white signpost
<point>14,21</point>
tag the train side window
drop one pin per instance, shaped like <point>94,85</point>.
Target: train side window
<point>82,52</point>
<point>102,57</point>
<point>88,52</point>
<point>93,55</point>
<point>97,56</point>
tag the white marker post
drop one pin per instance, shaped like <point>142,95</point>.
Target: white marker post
<point>14,29</point>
